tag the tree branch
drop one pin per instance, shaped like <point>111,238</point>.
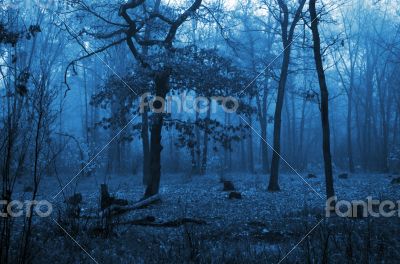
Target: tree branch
<point>174,27</point>
<point>89,54</point>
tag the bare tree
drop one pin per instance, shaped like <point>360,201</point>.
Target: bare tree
<point>324,100</point>
<point>287,31</point>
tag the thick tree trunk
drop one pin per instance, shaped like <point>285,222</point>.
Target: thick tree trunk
<point>161,84</point>
<point>145,117</point>
<point>324,101</point>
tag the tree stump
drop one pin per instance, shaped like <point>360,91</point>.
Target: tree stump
<point>228,186</point>
<point>235,195</point>
<point>395,181</point>
<point>106,200</point>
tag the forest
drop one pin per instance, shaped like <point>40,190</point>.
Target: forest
<point>199,131</point>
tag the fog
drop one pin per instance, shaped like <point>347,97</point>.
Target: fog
<point>199,131</point>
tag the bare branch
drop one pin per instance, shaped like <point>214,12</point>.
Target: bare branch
<point>174,27</point>
<point>89,54</point>
<point>123,12</point>
<point>88,9</point>
<point>103,35</point>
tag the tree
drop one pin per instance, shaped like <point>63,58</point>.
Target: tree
<point>27,117</point>
<point>259,36</point>
<point>324,100</point>
<point>287,39</point>
<point>225,79</point>
<point>136,17</point>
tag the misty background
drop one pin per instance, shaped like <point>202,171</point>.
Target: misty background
<point>318,103</point>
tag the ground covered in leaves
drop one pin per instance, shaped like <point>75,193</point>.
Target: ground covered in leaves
<point>262,227</point>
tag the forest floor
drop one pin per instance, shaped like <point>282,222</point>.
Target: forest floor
<point>262,227</point>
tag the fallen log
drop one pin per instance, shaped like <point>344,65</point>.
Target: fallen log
<point>119,209</point>
<point>146,202</point>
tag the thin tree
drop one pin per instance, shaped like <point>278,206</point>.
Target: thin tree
<point>324,101</point>
<point>287,39</point>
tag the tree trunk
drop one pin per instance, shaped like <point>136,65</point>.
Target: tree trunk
<point>349,129</point>
<point>300,153</point>
<point>287,139</point>
<point>146,148</point>
<point>198,145</point>
<point>264,146</point>
<point>287,38</point>
<point>145,118</point>
<point>205,144</point>
<point>368,119</point>
<point>262,112</point>
<point>293,134</point>
<point>324,101</point>
<point>273,180</point>
<point>161,84</point>
<point>250,148</point>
